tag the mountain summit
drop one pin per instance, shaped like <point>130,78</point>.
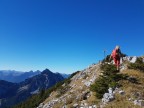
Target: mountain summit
<point>13,93</point>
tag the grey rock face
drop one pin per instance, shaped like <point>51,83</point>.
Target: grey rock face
<point>107,97</point>
<point>139,102</point>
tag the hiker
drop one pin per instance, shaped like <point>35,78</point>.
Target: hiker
<point>116,55</point>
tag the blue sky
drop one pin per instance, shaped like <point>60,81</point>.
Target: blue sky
<point>67,35</point>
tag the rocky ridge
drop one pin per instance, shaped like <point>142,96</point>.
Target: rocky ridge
<point>79,95</point>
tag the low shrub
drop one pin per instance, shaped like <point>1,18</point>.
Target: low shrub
<point>138,65</point>
<point>110,78</point>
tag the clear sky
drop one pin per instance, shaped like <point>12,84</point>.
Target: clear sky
<point>67,35</point>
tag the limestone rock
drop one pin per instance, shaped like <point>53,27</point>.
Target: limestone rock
<point>121,92</point>
<point>107,97</point>
<point>139,102</point>
<point>75,105</point>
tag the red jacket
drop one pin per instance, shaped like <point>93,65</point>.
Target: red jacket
<point>116,53</point>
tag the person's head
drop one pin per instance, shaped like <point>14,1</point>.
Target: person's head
<point>117,47</point>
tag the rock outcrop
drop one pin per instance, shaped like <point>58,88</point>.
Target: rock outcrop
<point>79,94</point>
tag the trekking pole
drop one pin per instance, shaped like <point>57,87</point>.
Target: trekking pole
<point>104,54</point>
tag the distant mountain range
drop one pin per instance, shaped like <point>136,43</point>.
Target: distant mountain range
<point>65,75</point>
<point>18,76</point>
<point>13,93</point>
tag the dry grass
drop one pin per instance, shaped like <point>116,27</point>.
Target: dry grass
<point>121,104</point>
<point>130,89</point>
<point>60,105</point>
<point>133,73</point>
<point>92,100</point>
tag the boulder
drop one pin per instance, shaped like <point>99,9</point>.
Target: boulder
<point>64,106</point>
<point>75,105</point>
<point>88,83</point>
<point>85,95</point>
<point>121,92</point>
<point>94,106</point>
<point>107,97</point>
<point>85,104</point>
<point>110,90</point>
<point>139,102</point>
<point>133,60</point>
